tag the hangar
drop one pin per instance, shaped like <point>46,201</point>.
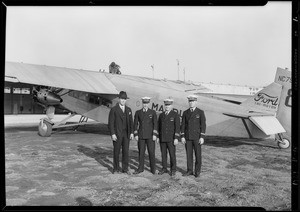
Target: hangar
<point>18,100</point>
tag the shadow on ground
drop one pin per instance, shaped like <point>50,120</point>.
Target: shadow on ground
<point>229,142</point>
<point>102,129</point>
<point>83,201</point>
<point>104,156</point>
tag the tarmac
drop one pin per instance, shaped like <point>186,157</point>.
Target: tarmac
<point>74,168</point>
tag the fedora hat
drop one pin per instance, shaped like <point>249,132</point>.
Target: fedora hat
<point>123,95</point>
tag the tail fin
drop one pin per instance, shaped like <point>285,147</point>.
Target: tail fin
<point>275,98</point>
<point>266,100</point>
<point>283,77</point>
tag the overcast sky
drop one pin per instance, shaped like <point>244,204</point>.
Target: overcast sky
<point>228,45</point>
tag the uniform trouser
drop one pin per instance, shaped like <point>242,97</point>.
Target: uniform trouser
<point>190,146</point>
<point>164,146</point>
<point>123,142</point>
<point>151,152</point>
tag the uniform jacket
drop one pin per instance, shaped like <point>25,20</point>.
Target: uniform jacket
<point>116,119</point>
<point>168,126</point>
<point>145,124</point>
<point>193,124</point>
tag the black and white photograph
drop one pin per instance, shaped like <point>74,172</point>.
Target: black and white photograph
<point>149,106</point>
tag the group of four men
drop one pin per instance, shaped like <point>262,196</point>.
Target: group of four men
<point>166,130</point>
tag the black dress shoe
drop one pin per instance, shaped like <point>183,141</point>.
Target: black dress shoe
<point>116,171</point>
<point>154,172</point>
<point>187,174</point>
<point>162,172</point>
<point>197,175</point>
<point>126,172</point>
<point>173,173</point>
<point>137,172</point>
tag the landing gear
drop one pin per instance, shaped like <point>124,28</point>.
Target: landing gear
<point>282,143</point>
<point>45,128</point>
<point>81,120</point>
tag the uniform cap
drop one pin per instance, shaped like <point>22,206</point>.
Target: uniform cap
<point>192,97</point>
<point>168,101</point>
<point>123,95</point>
<point>146,99</point>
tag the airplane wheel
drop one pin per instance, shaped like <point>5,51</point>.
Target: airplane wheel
<point>284,144</point>
<point>45,128</point>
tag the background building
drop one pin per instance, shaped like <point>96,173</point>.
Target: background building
<point>18,100</point>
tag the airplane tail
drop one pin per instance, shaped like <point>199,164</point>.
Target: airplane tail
<point>275,99</point>
<point>284,113</point>
<point>266,100</point>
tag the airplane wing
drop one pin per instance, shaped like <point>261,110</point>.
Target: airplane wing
<point>73,79</point>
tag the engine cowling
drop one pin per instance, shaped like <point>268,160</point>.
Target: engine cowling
<point>46,97</point>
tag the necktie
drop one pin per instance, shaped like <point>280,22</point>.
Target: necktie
<point>167,112</point>
<point>192,109</point>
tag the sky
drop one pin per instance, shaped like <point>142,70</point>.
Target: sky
<point>227,45</point>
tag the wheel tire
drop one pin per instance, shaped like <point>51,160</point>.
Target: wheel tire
<point>284,144</point>
<point>45,128</point>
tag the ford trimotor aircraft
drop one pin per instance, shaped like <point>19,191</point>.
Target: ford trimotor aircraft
<point>92,95</point>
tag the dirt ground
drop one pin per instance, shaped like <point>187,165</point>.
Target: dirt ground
<point>73,168</point>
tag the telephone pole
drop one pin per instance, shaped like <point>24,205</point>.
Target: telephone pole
<point>152,66</point>
<point>178,68</point>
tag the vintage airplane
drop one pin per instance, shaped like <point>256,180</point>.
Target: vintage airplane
<point>92,95</point>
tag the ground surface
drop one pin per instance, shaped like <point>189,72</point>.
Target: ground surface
<point>74,168</point>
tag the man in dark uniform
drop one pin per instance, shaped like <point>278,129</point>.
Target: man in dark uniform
<point>193,128</point>
<point>168,133</point>
<point>145,132</point>
<point>120,124</point>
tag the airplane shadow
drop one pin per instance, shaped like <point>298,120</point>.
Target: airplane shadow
<point>228,142</point>
<point>104,156</point>
<point>101,129</point>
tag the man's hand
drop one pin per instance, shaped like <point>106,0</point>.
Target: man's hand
<point>183,140</point>
<point>201,141</point>
<point>154,137</point>
<point>157,140</point>
<point>175,141</point>
<point>131,136</point>
<point>114,137</point>
<point>136,137</point>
